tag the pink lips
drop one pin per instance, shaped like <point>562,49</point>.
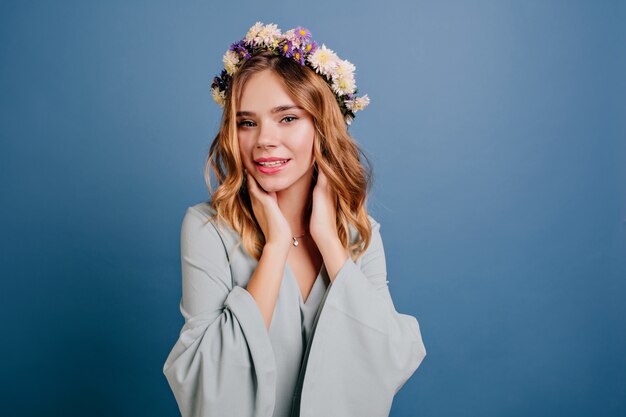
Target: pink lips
<point>270,159</point>
<point>271,170</point>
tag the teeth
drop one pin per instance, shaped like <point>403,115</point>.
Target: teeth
<point>272,164</point>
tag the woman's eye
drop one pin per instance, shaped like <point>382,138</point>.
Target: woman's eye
<point>243,123</point>
<point>250,123</point>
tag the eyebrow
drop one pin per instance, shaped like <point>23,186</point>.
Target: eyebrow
<point>276,109</point>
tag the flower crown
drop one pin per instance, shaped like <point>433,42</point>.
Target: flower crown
<point>295,44</point>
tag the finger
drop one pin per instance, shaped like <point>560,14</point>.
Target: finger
<point>322,178</point>
<point>323,182</point>
<point>273,195</point>
<point>255,189</point>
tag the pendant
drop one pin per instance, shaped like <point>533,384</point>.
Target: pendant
<point>295,241</point>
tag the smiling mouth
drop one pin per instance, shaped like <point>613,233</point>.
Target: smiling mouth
<point>273,163</point>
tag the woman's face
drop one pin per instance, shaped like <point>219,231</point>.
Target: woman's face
<point>271,126</point>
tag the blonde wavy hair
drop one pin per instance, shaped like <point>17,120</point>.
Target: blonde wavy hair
<point>335,151</point>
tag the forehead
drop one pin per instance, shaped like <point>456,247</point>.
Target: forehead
<point>262,92</point>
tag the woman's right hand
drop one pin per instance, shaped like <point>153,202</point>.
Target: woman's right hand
<point>275,227</point>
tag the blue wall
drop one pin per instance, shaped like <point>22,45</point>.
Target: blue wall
<point>497,134</point>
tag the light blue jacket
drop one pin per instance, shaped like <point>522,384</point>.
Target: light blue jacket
<point>344,352</point>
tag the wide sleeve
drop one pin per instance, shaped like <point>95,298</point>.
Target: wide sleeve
<point>363,350</point>
<point>222,363</point>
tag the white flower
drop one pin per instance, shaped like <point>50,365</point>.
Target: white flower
<point>324,60</point>
<point>345,68</point>
<point>231,59</point>
<point>344,85</point>
<point>268,35</point>
<point>218,96</point>
<point>251,36</point>
<point>357,103</point>
<point>331,73</point>
<point>290,35</point>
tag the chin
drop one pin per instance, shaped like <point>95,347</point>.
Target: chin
<point>271,184</point>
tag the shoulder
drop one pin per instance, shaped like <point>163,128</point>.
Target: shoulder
<point>375,225</point>
<point>202,210</point>
<point>197,217</point>
<point>200,225</point>
<point>373,221</point>
<point>203,250</point>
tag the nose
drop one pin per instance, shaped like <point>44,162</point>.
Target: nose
<point>267,137</point>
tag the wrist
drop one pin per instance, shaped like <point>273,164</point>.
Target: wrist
<point>279,246</point>
<point>335,256</point>
<point>331,246</point>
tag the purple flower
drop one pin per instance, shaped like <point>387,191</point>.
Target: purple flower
<point>236,46</point>
<point>240,49</point>
<point>310,47</point>
<point>302,34</point>
<point>298,55</point>
<point>286,49</point>
<point>221,81</point>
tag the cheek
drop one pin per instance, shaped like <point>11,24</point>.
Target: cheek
<point>304,145</point>
<point>244,152</point>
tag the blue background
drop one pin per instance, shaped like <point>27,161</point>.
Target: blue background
<point>497,132</point>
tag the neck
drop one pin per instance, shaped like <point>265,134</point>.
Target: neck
<point>293,203</point>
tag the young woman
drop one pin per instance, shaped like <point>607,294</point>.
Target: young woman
<point>285,298</point>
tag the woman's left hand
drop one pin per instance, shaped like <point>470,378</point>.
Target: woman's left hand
<point>323,224</point>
